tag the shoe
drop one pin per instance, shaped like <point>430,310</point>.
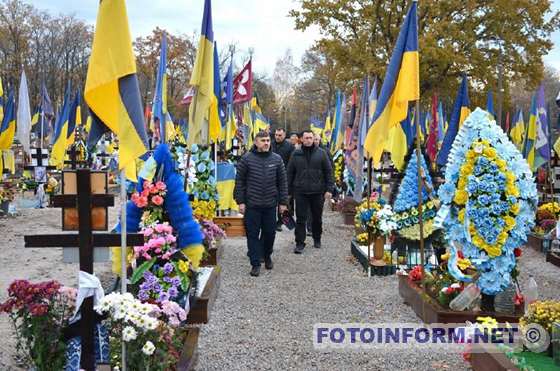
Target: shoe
<point>255,271</point>
<point>317,244</point>
<point>299,249</point>
<point>278,227</point>
<point>268,264</point>
<point>309,234</point>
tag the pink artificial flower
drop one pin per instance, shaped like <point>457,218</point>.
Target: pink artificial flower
<point>170,238</point>
<point>158,251</point>
<point>167,228</point>
<point>166,256</point>
<point>148,232</point>
<point>142,202</point>
<point>147,256</point>
<point>160,186</point>
<point>157,200</point>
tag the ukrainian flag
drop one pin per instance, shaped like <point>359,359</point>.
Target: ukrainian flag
<point>441,125</point>
<point>260,122</point>
<point>460,113</point>
<point>531,135</point>
<point>337,136</point>
<point>231,123</point>
<point>225,185</point>
<point>204,107</point>
<point>75,119</point>
<point>248,120</point>
<point>8,127</point>
<point>112,92</point>
<point>317,126</point>
<point>401,85</point>
<point>490,104</point>
<point>518,130</point>
<point>60,139</point>
<point>400,139</point>
<point>1,101</point>
<point>160,97</point>
<point>326,135</point>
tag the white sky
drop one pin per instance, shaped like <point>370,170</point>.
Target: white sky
<point>260,24</point>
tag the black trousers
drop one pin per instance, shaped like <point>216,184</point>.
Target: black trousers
<point>309,204</point>
<point>260,227</point>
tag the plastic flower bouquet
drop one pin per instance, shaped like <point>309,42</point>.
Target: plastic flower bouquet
<point>406,202</point>
<point>375,216</point>
<point>150,199</point>
<point>150,331</point>
<point>39,312</point>
<point>212,233</point>
<point>547,215</point>
<point>161,271</point>
<point>203,185</point>
<point>488,200</point>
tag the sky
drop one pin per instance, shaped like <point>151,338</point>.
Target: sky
<point>259,24</point>
<point>263,25</point>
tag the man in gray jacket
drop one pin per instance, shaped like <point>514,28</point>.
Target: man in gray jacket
<point>260,185</point>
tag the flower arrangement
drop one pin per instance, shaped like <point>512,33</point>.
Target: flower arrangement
<point>212,233</point>
<point>406,202</point>
<point>338,161</point>
<point>52,186</point>
<point>151,333</point>
<point>203,185</point>
<point>39,312</point>
<point>150,199</point>
<point>547,215</point>
<point>161,271</point>
<point>544,313</point>
<point>375,216</point>
<point>8,191</point>
<point>488,199</point>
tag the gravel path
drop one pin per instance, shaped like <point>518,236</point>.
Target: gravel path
<point>266,323</point>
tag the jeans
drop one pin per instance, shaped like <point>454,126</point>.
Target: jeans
<point>307,204</point>
<point>260,227</point>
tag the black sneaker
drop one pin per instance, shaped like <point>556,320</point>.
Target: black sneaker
<point>255,271</point>
<point>299,249</point>
<point>317,244</point>
<point>268,264</point>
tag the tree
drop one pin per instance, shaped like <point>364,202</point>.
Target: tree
<point>455,36</point>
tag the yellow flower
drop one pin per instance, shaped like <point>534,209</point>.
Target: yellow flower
<point>466,170</point>
<point>461,197</point>
<point>461,215</point>
<point>463,264</point>
<point>445,256</point>
<point>510,222</point>
<point>501,164</point>
<point>183,266</point>
<point>493,251</point>
<point>502,237</point>
<point>462,183</point>
<point>515,209</point>
<point>477,240</point>
<point>489,152</point>
<point>471,155</point>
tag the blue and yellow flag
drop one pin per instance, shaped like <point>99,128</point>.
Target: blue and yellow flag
<point>260,122</point>
<point>460,113</point>
<point>204,121</point>
<point>159,109</point>
<point>316,126</point>
<point>248,120</point>
<point>8,126</point>
<point>542,147</point>
<point>400,139</point>
<point>225,185</point>
<point>74,120</point>
<point>518,130</point>
<point>401,85</point>
<point>112,91</point>
<point>441,125</point>
<point>1,101</point>
<point>231,122</point>
<point>337,136</point>
<point>531,135</point>
<point>326,135</point>
<point>490,104</point>
<point>60,138</point>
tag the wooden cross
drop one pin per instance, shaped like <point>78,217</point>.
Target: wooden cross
<point>39,159</point>
<point>86,240</point>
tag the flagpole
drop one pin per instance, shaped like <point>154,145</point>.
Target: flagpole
<point>42,123</point>
<point>123,256</point>
<point>419,175</point>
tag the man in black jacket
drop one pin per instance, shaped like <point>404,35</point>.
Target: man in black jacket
<point>310,181</point>
<point>284,149</point>
<point>260,185</point>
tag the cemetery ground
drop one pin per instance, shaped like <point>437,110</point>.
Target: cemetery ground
<point>264,323</point>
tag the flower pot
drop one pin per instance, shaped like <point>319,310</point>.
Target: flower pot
<point>378,252</point>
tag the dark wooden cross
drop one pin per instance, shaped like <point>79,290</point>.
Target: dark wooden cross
<point>39,158</point>
<point>86,240</point>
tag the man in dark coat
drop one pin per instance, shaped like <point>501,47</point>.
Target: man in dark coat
<point>310,181</point>
<point>282,147</point>
<point>260,185</point>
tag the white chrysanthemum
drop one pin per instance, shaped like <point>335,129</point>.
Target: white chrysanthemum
<point>148,348</point>
<point>129,333</point>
